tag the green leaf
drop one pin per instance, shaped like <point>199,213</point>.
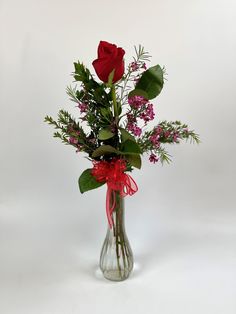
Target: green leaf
<point>126,135</point>
<point>119,108</point>
<point>106,112</point>
<point>151,81</point>
<point>138,92</point>
<point>134,160</point>
<point>105,134</point>
<point>104,150</point>
<point>81,73</point>
<point>130,147</point>
<point>88,182</point>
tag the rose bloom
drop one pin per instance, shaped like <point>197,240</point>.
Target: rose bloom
<point>109,58</point>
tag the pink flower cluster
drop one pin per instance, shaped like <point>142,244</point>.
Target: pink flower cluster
<point>73,140</point>
<point>174,136</point>
<point>148,114</point>
<point>169,136</point>
<point>83,107</point>
<point>132,125</point>
<point>140,108</point>
<point>137,102</point>
<point>135,66</point>
<point>154,138</point>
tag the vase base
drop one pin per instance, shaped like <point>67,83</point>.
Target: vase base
<point>115,275</point>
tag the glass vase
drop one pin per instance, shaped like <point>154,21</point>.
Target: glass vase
<point>116,259</point>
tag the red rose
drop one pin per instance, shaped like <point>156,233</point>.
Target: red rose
<point>109,58</point>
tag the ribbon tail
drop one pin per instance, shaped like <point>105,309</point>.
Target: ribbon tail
<point>110,207</point>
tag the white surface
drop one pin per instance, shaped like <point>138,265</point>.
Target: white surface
<point>50,266</point>
<point>181,224</point>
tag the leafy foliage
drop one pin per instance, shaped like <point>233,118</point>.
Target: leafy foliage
<point>130,147</point>
<point>105,134</point>
<point>151,82</point>
<point>134,160</point>
<point>109,122</point>
<point>88,182</point>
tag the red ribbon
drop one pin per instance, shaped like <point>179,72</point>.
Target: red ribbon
<point>113,173</point>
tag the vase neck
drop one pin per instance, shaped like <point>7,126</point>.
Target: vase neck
<point>116,259</point>
<point>118,215</point>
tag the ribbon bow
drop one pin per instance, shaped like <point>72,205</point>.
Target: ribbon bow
<point>113,173</point>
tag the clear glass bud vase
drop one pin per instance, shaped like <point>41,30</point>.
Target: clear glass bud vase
<point>116,260</point>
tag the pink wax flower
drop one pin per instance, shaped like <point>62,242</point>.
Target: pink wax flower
<point>167,134</point>
<point>148,114</point>
<point>154,139</point>
<point>73,140</point>
<point>137,101</point>
<point>175,137</point>
<point>134,66</point>
<point>158,130</point>
<point>153,158</point>
<point>137,131</point>
<point>144,66</point>
<point>131,118</point>
<point>133,128</point>
<point>83,107</point>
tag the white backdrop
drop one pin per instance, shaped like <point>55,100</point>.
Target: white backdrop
<point>181,224</point>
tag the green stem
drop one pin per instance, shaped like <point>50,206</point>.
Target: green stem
<point>126,80</point>
<point>121,234</point>
<point>113,93</point>
<point>117,242</point>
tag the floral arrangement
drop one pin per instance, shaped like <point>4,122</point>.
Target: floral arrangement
<point>112,127</point>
